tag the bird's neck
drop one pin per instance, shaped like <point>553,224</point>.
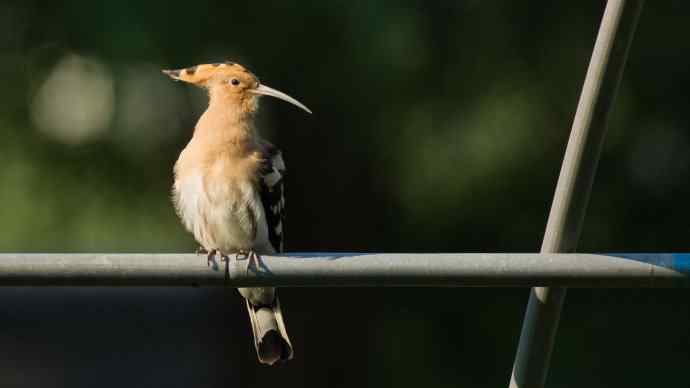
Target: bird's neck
<point>226,122</point>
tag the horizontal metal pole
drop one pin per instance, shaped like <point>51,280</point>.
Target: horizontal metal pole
<point>349,269</point>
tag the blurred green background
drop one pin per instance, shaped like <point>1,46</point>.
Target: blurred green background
<point>437,127</point>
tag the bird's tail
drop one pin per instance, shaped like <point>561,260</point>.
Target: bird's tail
<point>270,337</point>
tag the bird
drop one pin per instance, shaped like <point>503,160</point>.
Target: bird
<point>228,189</point>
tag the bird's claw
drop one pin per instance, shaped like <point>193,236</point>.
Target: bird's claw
<point>250,256</point>
<point>212,255</point>
<point>209,258</point>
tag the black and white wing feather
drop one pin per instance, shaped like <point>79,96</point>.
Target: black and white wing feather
<point>271,184</point>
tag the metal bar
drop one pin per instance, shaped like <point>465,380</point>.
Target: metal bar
<point>574,185</point>
<point>349,269</point>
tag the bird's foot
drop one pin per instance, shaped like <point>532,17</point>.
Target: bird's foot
<point>210,257</point>
<point>201,251</point>
<point>250,256</point>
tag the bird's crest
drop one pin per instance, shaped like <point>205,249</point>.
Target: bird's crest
<point>200,74</point>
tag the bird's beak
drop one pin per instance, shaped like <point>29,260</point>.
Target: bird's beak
<point>266,91</point>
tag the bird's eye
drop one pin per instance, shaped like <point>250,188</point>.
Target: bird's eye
<point>235,82</point>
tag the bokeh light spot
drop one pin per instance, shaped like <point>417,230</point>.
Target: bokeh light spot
<point>76,102</point>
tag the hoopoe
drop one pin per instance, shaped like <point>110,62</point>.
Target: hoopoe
<point>228,188</point>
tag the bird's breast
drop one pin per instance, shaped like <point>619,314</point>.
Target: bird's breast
<point>221,207</point>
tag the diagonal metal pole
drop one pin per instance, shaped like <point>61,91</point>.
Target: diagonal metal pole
<point>574,185</point>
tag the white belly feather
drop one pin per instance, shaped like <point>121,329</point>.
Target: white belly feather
<point>226,215</point>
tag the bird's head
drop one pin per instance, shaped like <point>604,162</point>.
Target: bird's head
<point>230,83</point>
